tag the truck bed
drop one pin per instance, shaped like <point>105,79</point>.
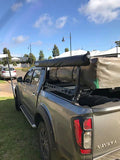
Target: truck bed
<point>105,105</point>
<point>84,96</point>
<point>106,120</point>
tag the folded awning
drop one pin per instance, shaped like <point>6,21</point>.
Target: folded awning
<point>81,60</point>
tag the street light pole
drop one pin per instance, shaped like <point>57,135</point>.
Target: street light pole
<point>30,49</point>
<point>70,45</point>
<point>63,40</point>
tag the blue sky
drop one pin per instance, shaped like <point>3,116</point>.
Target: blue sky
<point>94,24</point>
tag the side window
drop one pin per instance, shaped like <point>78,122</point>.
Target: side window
<point>36,76</point>
<point>28,77</point>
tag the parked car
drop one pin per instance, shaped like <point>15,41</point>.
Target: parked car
<point>73,123</point>
<point>4,73</point>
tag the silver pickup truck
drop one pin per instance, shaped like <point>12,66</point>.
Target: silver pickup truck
<point>73,123</point>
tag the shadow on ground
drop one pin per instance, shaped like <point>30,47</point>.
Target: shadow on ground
<point>18,141</point>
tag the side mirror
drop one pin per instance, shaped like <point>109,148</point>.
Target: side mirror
<point>19,79</point>
<point>28,80</point>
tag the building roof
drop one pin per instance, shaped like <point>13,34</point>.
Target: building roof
<point>15,59</point>
<point>3,55</point>
<point>92,53</point>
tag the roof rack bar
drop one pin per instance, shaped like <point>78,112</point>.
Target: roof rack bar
<point>77,90</point>
<point>69,92</point>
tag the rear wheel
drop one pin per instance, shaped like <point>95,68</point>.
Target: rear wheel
<point>17,102</point>
<point>45,149</point>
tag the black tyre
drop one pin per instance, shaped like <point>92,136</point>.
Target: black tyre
<point>45,149</point>
<point>17,102</point>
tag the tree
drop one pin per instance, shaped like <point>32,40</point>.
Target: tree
<point>117,43</point>
<point>31,58</point>
<point>14,63</point>
<point>55,51</point>
<point>6,51</point>
<point>41,55</point>
<point>26,55</point>
<point>49,57</point>
<point>66,49</point>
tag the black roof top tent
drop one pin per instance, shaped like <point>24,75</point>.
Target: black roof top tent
<point>81,60</point>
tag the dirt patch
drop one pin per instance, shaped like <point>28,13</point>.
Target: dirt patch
<point>6,90</point>
<point>20,73</point>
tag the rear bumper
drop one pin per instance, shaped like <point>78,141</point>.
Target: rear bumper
<point>114,155</point>
<point>7,76</point>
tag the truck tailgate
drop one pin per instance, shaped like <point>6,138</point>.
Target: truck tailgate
<point>106,126</point>
<point>111,156</point>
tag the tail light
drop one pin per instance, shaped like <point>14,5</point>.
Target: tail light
<point>3,71</point>
<point>87,124</point>
<point>83,135</point>
<point>78,132</point>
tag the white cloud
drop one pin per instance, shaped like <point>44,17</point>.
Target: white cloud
<point>44,20</point>
<point>49,25</point>
<point>37,43</point>
<point>60,22</point>
<point>20,39</point>
<point>101,11</point>
<point>16,6</point>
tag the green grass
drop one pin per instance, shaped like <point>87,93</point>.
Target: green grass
<point>18,68</point>
<point>2,81</point>
<point>18,141</point>
<point>23,69</point>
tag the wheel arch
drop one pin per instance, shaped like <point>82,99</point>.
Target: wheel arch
<point>42,115</point>
<point>16,90</point>
<point>38,118</point>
